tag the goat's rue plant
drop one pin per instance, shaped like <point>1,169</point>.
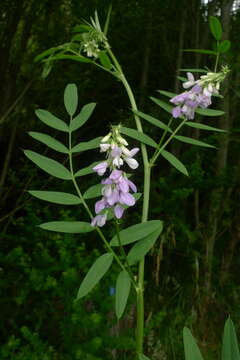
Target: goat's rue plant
<point>114,191</point>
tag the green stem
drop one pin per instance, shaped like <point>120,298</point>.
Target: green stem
<point>158,152</point>
<point>217,59</point>
<point>163,135</point>
<point>146,192</point>
<point>129,270</point>
<point>99,231</point>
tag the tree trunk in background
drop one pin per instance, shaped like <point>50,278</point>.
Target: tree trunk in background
<point>218,194</point>
<point>146,58</point>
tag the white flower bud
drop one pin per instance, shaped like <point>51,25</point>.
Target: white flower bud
<point>122,141</point>
<point>106,138</point>
<point>132,163</point>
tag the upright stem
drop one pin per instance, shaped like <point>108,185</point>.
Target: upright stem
<point>146,192</point>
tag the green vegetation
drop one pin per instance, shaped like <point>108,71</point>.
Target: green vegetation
<point>192,272</point>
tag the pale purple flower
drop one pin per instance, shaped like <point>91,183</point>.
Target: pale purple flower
<point>115,175</point>
<point>100,205</point>
<point>190,81</point>
<point>113,198</point>
<point>132,185</point>
<point>99,220</point>
<point>123,185</point>
<point>101,168</point>
<point>126,199</point>
<point>118,211</point>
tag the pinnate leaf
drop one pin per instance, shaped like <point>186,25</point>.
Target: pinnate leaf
<point>87,170</point>
<point>191,141</point>
<point>215,27</point>
<point>51,166</point>
<point>51,120</point>
<point>165,106</point>
<point>201,51</point>
<point>209,112</point>
<point>49,141</point>
<point>78,58</point>
<point>94,275</point>
<point>137,135</point>
<point>136,232</point>
<point>104,60</point>
<point>153,121</point>
<point>87,145</point>
<point>143,246</point>
<point>174,161</point>
<point>123,286</point>
<point>69,227</point>
<point>224,46</point>
<point>203,126</point>
<point>56,197</point>
<point>71,99</point>
<point>230,349</point>
<point>93,192</point>
<point>82,117</point>
<point>191,349</point>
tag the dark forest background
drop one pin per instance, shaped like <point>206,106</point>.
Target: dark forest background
<point>192,274</point>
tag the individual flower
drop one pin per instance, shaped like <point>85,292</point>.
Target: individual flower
<point>99,220</point>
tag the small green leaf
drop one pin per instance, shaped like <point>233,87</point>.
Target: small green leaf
<point>49,141</point>
<point>209,112</point>
<point>191,349</point>
<point>87,145</point>
<point>224,46</point>
<point>167,93</point>
<point>93,192</point>
<point>174,162</point>
<point>51,120</point>
<point>165,106</point>
<point>71,99</point>
<point>46,53</point>
<point>143,246</point>
<point>82,117</point>
<point>104,60</point>
<point>69,227</point>
<point>81,28</point>
<point>87,170</point>
<point>47,68</point>
<point>123,287</point>
<point>78,58</point>
<point>215,27</point>
<point>106,25</point>
<point>143,357</point>
<point>136,232</point>
<point>191,141</point>
<point>153,121</point>
<point>203,126</point>
<point>51,166</point>
<point>230,349</point>
<point>201,51</point>
<point>56,197</point>
<point>194,70</point>
<point>137,135</point>
<point>94,275</point>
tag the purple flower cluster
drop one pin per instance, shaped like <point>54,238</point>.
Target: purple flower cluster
<point>116,190</point>
<point>198,96</point>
